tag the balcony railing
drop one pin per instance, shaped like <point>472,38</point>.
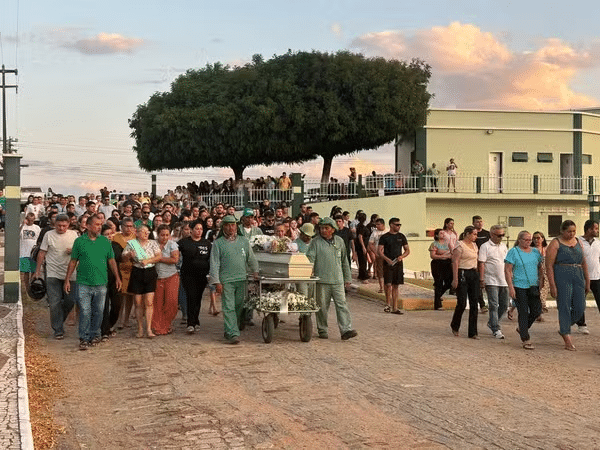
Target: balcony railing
<point>382,185</point>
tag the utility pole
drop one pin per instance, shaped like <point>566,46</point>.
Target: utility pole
<point>12,179</point>
<point>4,87</point>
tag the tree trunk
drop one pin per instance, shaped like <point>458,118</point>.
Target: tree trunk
<point>238,172</point>
<point>326,169</point>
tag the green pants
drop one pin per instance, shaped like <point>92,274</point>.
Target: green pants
<point>232,304</point>
<point>326,292</point>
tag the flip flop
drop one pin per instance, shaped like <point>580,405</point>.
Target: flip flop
<point>528,346</point>
<point>387,309</point>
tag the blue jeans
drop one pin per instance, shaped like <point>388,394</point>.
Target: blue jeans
<point>60,303</point>
<point>497,304</point>
<point>91,309</point>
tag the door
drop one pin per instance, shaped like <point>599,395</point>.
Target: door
<point>495,172</point>
<point>567,181</point>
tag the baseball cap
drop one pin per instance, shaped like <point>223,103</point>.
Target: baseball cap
<point>248,212</point>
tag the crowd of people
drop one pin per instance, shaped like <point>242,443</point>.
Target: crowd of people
<point>160,255</point>
<point>521,277</point>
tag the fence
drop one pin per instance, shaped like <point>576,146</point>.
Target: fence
<point>393,184</point>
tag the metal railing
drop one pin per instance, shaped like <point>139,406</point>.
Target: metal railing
<point>393,184</point>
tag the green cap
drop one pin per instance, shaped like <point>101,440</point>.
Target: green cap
<point>229,219</point>
<point>248,212</point>
<point>328,221</point>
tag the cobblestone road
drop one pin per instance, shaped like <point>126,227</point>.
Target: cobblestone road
<point>405,382</point>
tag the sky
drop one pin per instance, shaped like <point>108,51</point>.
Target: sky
<point>84,66</point>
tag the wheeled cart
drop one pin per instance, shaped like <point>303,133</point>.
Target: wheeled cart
<point>270,320</point>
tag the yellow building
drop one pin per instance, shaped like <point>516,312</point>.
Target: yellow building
<point>526,170</point>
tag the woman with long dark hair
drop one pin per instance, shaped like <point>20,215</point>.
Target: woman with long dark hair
<point>441,268</point>
<point>465,280</point>
<point>568,278</point>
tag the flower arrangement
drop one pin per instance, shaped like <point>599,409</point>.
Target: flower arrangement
<point>273,301</point>
<point>261,242</point>
<point>264,243</point>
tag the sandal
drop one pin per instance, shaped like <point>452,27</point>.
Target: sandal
<point>387,309</point>
<point>380,291</point>
<point>509,314</point>
<point>216,313</point>
<point>454,332</point>
<point>397,312</point>
<point>528,346</point>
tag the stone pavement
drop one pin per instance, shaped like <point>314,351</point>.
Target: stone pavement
<point>15,429</point>
<point>404,382</point>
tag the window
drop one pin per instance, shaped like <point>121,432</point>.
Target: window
<point>586,159</point>
<point>545,157</point>
<point>516,222</point>
<point>554,223</point>
<point>520,157</point>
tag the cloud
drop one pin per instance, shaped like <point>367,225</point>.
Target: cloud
<point>474,69</point>
<point>102,44</point>
<point>336,29</point>
<point>105,43</point>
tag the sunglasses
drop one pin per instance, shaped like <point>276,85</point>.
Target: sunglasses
<point>499,235</point>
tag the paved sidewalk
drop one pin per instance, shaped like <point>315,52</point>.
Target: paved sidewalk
<point>15,429</point>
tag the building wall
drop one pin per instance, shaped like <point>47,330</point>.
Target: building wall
<point>471,149</point>
<point>421,213</point>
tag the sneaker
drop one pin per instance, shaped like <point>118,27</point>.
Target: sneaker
<point>197,328</point>
<point>94,342</point>
<point>349,334</point>
<point>498,335</point>
<point>234,340</point>
<point>59,337</point>
<point>83,345</point>
<point>483,309</point>
<point>190,329</point>
<point>583,329</point>
<point>323,336</point>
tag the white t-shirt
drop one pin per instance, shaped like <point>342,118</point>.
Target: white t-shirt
<point>493,256</point>
<point>592,257</point>
<point>35,209</point>
<point>375,235</point>
<point>57,258</point>
<point>29,235</point>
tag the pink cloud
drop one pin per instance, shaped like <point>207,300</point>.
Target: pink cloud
<point>474,69</point>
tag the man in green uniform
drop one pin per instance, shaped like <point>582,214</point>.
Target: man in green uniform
<point>246,227</point>
<point>328,254</point>
<point>307,231</point>
<point>230,259</point>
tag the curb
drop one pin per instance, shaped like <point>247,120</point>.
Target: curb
<point>22,392</point>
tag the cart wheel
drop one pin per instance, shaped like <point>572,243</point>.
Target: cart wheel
<point>305,328</point>
<point>275,320</point>
<point>268,327</point>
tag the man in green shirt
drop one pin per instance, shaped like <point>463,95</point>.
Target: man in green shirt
<point>230,259</point>
<point>246,227</point>
<point>328,254</point>
<point>91,253</point>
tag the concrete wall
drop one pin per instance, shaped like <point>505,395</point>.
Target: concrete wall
<point>421,212</point>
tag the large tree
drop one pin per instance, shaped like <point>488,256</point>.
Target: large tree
<point>289,109</point>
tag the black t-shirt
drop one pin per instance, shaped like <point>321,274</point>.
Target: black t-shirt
<point>393,244</point>
<point>482,237</point>
<point>268,230</point>
<point>346,236</point>
<point>195,255</point>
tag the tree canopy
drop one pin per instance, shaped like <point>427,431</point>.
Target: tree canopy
<point>289,109</point>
